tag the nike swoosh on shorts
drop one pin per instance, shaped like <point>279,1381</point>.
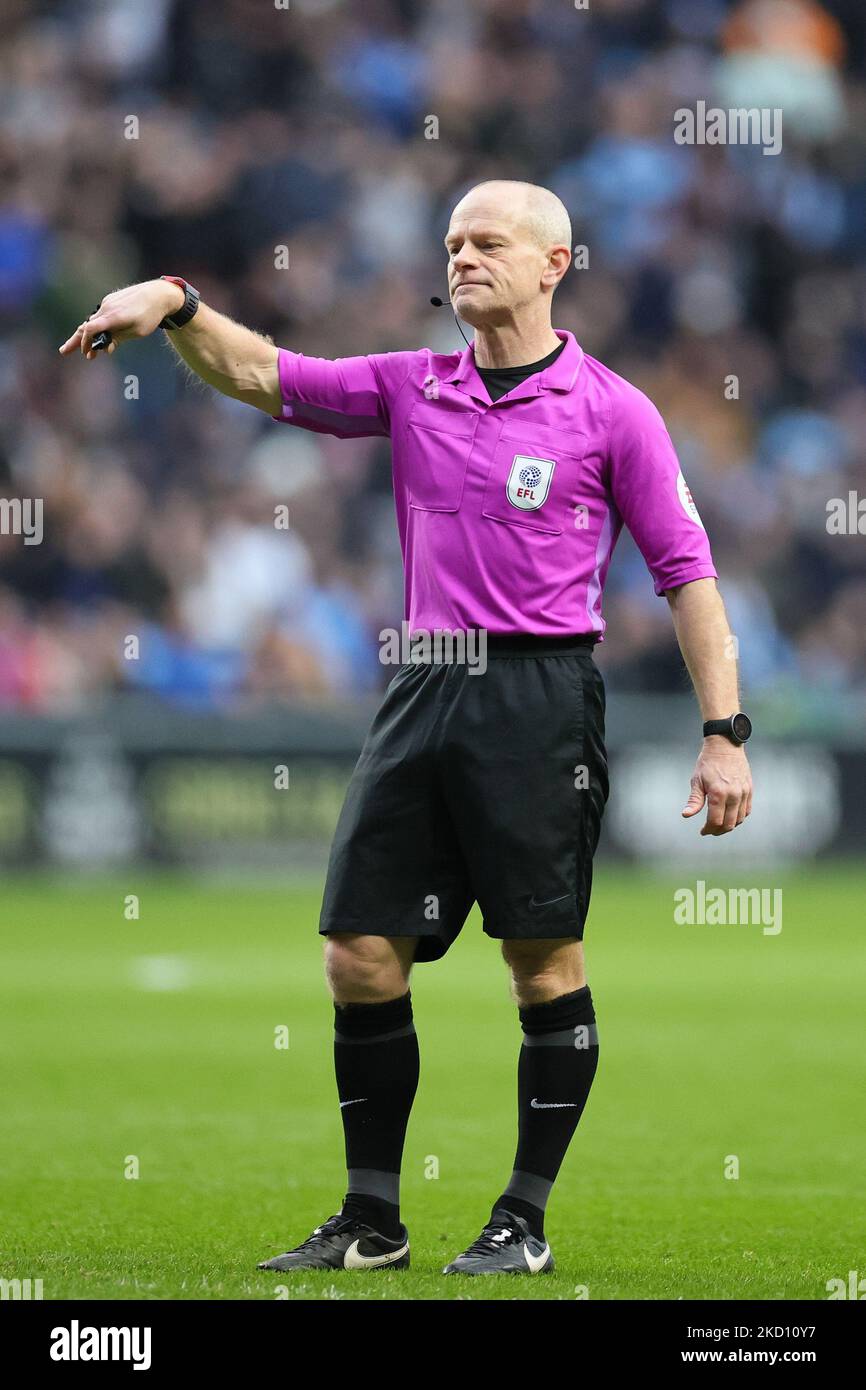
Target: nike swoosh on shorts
<point>548,903</point>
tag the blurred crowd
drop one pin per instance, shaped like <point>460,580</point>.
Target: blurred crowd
<point>193,137</point>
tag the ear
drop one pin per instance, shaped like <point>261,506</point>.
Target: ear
<point>558,262</point>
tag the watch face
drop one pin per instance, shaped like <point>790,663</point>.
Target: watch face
<point>741,725</point>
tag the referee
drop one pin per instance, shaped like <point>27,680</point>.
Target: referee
<point>515,464</point>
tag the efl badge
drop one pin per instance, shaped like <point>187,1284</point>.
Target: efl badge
<point>529,482</point>
<point>687,501</point>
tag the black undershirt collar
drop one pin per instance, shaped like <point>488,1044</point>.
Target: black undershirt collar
<point>500,380</point>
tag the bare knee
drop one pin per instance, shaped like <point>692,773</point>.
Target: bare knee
<point>364,969</point>
<point>544,970</point>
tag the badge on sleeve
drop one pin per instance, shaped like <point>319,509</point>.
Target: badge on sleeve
<point>529,482</point>
<point>687,501</point>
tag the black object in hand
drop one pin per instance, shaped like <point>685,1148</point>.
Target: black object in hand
<point>102,339</point>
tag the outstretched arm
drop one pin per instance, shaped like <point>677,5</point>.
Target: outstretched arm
<point>230,358</point>
<point>722,777</point>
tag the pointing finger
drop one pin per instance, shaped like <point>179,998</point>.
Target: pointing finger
<point>71,343</point>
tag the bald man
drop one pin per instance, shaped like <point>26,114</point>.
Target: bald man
<point>483,779</point>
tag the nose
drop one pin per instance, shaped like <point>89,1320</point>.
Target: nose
<point>464,258</point>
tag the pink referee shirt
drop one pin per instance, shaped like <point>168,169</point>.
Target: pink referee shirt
<point>508,513</point>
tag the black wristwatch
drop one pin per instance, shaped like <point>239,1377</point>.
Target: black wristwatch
<point>187,309</point>
<point>737,727</point>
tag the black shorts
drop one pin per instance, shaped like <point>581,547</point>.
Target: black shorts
<point>486,787</point>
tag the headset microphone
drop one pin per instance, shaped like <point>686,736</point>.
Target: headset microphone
<point>440,304</point>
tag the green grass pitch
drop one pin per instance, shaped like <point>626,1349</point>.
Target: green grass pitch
<point>155,1038</point>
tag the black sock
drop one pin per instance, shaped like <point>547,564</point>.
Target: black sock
<point>376,1061</point>
<point>557,1065</point>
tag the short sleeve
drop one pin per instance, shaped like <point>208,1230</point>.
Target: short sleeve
<point>349,397</point>
<point>652,496</point>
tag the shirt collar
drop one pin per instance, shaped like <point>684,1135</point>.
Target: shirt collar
<point>559,376</point>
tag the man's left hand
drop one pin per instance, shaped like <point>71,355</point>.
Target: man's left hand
<point>723,779</point>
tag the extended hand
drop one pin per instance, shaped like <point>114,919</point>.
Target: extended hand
<point>723,779</point>
<point>134,312</point>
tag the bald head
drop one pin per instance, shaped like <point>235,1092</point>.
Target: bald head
<point>527,205</point>
<point>509,246</point>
